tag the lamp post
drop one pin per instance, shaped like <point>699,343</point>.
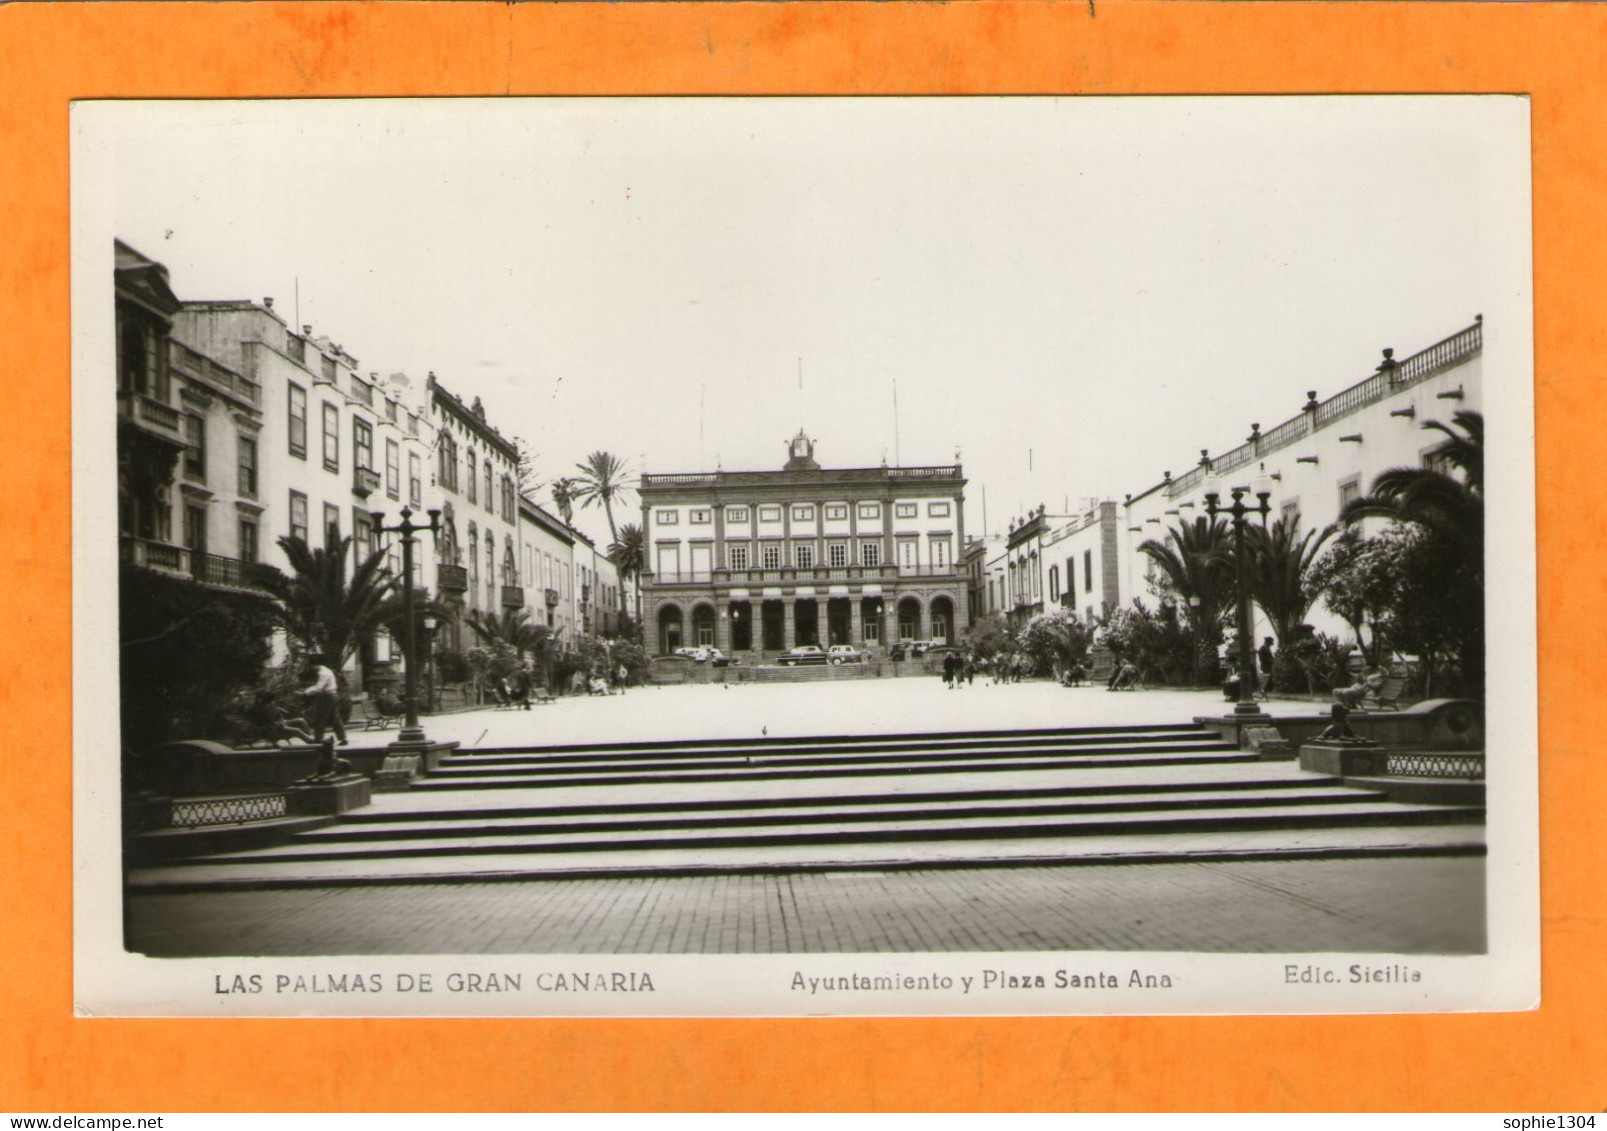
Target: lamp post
<point>431,701</point>
<point>1238,511</point>
<point>411,731</point>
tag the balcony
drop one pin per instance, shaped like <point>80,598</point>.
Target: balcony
<point>365,482</point>
<point>451,578</point>
<point>151,416</point>
<point>188,363</point>
<point>160,556</point>
<point>513,597</point>
<point>794,575</point>
<point>226,573</point>
<point>550,596</point>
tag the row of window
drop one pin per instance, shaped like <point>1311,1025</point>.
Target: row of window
<point>504,500</point>
<point>362,448</point>
<point>801,512</point>
<point>195,456</point>
<point>803,555</point>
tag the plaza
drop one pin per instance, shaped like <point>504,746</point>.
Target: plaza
<point>1218,886</point>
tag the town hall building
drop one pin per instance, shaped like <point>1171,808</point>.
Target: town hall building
<point>757,562</point>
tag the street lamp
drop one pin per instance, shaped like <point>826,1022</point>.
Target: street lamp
<point>411,731</point>
<point>431,701</point>
<point>1238,511</point>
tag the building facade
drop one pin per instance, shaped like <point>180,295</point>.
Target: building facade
<point>761,561</point>
<point>189,441</point>
<point>1318,460</point>
<point>476,475</point>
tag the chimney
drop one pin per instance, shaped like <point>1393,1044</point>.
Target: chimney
<point>306,330</point>
<point>268,302</point>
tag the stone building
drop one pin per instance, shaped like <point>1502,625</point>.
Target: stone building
<point>756,562</point>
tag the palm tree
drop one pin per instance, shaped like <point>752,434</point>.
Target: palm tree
<point>1197,559</point>
<point>1282,579</point>
<point>602,479</point>
<point>325,608</point>
<point>563,497</point>
<point>629,555</point>
<point>1449,508</point>
<point>1449,511</point>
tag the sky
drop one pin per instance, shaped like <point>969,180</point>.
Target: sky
<point>1074,294</point>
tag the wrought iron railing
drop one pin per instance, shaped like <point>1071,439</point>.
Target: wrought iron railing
<point>228,810</point>
<point>214,569</point>
<point>513,597</point>
<point>1435,764</point>
<point>1437,358</point>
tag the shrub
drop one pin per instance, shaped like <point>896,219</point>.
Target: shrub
<point>187,654</point>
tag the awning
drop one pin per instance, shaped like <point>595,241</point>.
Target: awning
<point>739,594</point>
<point>837,591</point>
<point>770,592</point>
<point>871,590</point>
<point>804,591</point>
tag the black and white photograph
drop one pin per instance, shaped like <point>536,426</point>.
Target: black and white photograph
<point>786,556</point>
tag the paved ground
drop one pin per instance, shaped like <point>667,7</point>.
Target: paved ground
<point>1399,905</point>
<point>1403,906</point>
<point>870,706</point>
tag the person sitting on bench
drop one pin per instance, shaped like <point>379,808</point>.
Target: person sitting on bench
<point>1367,687</point>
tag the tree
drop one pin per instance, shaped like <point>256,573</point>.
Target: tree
<point>511,627</point>
<point>629,555</point>
<point>325,608</point>
<point>1359,580</point>
<point>1197,563</point>
<point>989,637</point>
<point>1157,643</point>
<point>1055,641</point>
<point>563,497</point>
<point>603,479</point>
<point>529,478</point>
<point>188,653</point>
<point>1283,578</point>
<point>1450,558</point>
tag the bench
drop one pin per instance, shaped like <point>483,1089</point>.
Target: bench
<point>373,715</point>
<point>1388,695</point>
<point>542,695</point>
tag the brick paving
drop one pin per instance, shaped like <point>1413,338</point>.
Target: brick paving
<point>1406,906</point>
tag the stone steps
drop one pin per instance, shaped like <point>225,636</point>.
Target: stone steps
<point>1085,794</point>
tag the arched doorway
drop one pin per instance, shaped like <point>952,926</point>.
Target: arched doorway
<point>703,626</point>
<point>909,619</point>
<point>838,617</point>
<point>669,629</point>
<point>806,620</point>
<point>741,626</point>
<point>942,620</point>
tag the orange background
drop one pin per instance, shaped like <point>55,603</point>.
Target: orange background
<point>1549,1060</point>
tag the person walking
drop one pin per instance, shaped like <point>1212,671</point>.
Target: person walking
<point>948,670</point>
<point>1265,658</point>
<point>323,700</point>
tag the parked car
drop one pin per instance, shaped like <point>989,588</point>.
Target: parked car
<point>844,654</point>
<point>672,658</point>
<point>689,653</point>
<point>802,654</point>
<point>721,660</point>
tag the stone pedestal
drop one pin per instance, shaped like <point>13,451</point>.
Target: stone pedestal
<point>1268,744</point>
<point>1235,728</point>
<point>327,797</point>
<point>405,761</point>
<point>1342,759</point>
